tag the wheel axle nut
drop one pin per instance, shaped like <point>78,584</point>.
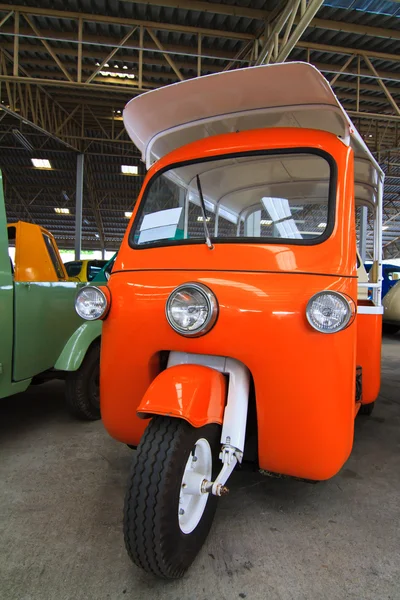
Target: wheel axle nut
<point>181,511</point>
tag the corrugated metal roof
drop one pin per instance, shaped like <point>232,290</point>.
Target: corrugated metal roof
<point>326,47</point>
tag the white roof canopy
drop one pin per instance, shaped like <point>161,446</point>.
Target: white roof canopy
<point>282,95</point>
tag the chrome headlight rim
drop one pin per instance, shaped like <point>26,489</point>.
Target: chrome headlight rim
<point>349,303</point>
<point>212,305</point>
<point>104,296</point>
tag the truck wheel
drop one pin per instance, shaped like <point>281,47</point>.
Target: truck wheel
<point>164,525</point>
<point>366,409</point>
<point>388,328</point>
<point>82,389</point>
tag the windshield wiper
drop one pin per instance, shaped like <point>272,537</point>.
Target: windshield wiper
<point>203,210</point>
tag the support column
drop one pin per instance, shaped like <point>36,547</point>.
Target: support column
<point>78,206</point>
<point>252,227</point>
<point>363,233</point>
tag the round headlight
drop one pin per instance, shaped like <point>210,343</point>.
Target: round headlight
<point>329,312</point>
<point>192,309</point>
<point>90,303</point>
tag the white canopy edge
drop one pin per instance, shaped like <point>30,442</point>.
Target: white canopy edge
<point>292,94</point>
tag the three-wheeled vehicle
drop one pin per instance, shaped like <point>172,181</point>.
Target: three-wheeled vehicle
<point>42,337</point>
<point>232,327</point>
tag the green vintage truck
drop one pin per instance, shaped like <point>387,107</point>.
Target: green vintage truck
<point>42,337</point>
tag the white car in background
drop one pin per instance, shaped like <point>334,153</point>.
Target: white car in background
<point>391,306</point>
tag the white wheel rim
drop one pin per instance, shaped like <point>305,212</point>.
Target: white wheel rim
<point>192,502</point>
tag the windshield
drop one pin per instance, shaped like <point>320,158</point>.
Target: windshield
<point>262,198</point>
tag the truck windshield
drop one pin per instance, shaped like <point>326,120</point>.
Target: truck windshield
<point>262,198</point>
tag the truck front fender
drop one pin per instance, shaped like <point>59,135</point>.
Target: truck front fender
<point>192,392</point>
<point>76,347</point>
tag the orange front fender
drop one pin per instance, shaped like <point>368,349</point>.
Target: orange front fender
<point>191,392</point>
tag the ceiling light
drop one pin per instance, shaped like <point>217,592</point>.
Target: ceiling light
<point>129,170</point>
<point>370,135</point>
<point>128,214</point>
<point>115,74</point>
<point>125,67</point>
<point>106,65</point>
<point>96,235</point>
<point>62,211</point>
<point>265,222</point>
<point>41,163</point>
<point>322,225</point>
<point>97,64</point>
<point>116,67</point>
<point>201,220</point>
<point>385,227</point>
<point>22,140</point>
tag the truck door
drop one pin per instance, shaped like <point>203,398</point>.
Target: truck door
<point>44,314</point>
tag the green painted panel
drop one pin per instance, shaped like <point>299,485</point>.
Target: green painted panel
<point>75,349</point>
<point>44,320</point>
<point>6,304</point>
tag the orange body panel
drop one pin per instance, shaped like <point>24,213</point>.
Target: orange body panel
<point>32,258</point>
<point>191,392</point>
<point>369,343</point>
<point>304,381</point>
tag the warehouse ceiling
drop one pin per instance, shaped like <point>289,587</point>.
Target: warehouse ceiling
<point>68,68</point>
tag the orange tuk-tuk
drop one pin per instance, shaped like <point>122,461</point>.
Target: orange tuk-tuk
<point>235,324</point>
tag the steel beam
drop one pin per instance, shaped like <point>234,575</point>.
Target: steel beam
<point>78,205</point>
<point>108,19</point>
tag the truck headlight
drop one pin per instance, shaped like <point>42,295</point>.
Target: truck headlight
<point>192,309</point>
<point>329,312</point>
<point>91,303</point>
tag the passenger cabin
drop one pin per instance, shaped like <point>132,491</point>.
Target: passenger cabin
<point>289,95</point>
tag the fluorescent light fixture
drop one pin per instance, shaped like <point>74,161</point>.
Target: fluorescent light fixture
<point>201,220</point>
<point>265,222</point>
<point>22,140</point>
<point>128,214</point>
<point>118,112</point>
<point>322,225</point>
<point>116,74</point>
<point>41,163</point>
<point>385,227</point>
<point>129,170</point>
<point>62,211</point>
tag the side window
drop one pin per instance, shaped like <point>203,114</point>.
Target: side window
<point>94,267</point>
<point>73,268</point>
<point>54,257</point>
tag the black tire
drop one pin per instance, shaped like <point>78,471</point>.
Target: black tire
<point>388,328</point>
<point>82,390</point>
<point>153,537</point>
<point>366,409</point>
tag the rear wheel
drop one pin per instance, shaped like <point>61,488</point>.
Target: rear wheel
<point>388,328</point>
<point>366,409</point>
<point>166,517</point>
<point>82,387</point>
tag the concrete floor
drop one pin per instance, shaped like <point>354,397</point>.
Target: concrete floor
<point>61,495</point>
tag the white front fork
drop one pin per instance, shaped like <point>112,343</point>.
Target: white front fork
<point>235,414</point>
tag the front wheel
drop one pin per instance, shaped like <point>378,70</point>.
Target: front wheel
<point>82,388</point>
<point>166,516</point>
<point>389,328</point>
